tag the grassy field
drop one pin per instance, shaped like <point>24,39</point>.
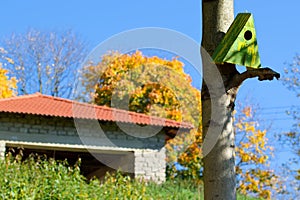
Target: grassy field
<point>50,179</point>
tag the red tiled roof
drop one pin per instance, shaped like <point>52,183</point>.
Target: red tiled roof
<point>38,104</point>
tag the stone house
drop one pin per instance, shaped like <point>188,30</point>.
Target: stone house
<point>105,139</point>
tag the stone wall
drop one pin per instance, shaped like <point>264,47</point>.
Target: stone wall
<point>147,143</point>
<point>149,164</point>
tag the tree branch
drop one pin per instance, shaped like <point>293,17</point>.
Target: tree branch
<point>262,74</point>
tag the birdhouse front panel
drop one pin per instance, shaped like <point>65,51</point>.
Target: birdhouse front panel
<point>239,45</point>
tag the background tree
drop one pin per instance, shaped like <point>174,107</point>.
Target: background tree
<point>291,80</point>
<point>147,84</point>
<point>44,62</point>
<point>219,163</point>
<point>7,85</point>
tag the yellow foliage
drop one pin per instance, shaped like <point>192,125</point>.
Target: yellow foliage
<point>9,60</point>
<point>253,152</point>
<point>7,86</point>
<point>148,81</point>
<point>247,111</point>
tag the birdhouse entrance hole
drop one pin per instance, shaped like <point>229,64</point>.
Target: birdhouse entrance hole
<point>248,35</point>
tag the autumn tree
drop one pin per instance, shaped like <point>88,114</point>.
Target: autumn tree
<point>7,85</point>
<point>153,86</point>
<point>253,153</point>
<point>218,94</point>
<point>42,61</point>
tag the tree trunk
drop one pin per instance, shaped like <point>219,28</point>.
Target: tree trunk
<point>219,163</point>
<point>219,89</point>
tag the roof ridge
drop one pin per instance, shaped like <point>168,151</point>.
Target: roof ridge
<point>55,98</point>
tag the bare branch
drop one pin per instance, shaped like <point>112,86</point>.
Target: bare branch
<point>44,62</point>
<point>262,74</point>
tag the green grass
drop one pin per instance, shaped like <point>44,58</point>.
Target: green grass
<point>50,179</point>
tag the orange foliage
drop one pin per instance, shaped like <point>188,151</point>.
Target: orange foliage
<point>149,85</point>
<point>186,150</point>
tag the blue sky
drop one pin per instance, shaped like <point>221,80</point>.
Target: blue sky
<point>276,26</point>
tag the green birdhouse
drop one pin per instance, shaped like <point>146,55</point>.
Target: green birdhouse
<point>239,45</point>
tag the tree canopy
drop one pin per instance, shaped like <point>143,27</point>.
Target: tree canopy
<point>143,84</point>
